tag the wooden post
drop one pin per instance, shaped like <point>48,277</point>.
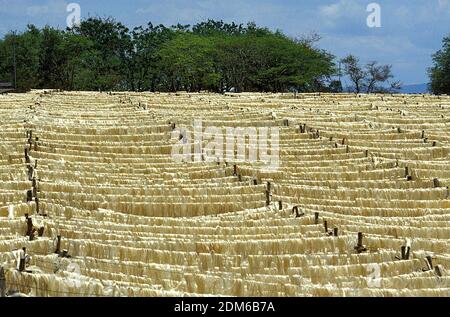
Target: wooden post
<point>423,135</point>
<point>36,200</point>
<point>29,195</point>
<point>36,144</point>
<point>22,260</point>
<point>325,224</point>
<point>403,250</point>
<point>267,198</point>
<point>29,226</point>
<point>269,186</point>
<point>408,249</point>
<point>367,153</point>
<point>58,244</point>
<point>436,183</point>
<point>335,232</point>
<point>438,270</point>
<point>429,262</point>
<point>280,205</point>
<point>360,238</point>
<point>234,170</point>
<point>2,283</point>
<point>316,218</point>
<point>255,182</point>
<point>406,171</point>
<point>27,158</point>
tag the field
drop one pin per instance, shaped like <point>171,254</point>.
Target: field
<point>359,205</point>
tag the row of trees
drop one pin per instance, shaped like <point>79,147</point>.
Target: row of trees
<point>103,54</point>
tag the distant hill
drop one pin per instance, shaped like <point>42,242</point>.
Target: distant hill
<point>414,89</point>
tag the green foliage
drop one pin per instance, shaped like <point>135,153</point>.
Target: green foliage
<point>103,54</point>
<point>440,72</point>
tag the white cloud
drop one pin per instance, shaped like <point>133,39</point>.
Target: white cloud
<point>342,8</point>
<point>52,7</point>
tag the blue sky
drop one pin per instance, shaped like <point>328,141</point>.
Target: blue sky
<point>411,30</point>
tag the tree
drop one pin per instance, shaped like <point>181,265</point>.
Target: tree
<point>112,53</point>
<point>440,72</point>
<point>354,71</point>
<point>370,78</point>
<point>147,43</point>
<point>27,50</point>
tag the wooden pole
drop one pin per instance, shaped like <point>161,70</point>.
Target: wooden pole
<point>438,270</point>
<point>403,250</point>
<point>36,200</point>
<point>58,244</point>
<point>2,283</point>
<point>316,218</point>
<point>436,183</point>
<point>36,144</point>
<point>29,226</point>
<point>280,205</point>
<point>360,238</point>
<point>22,260</point>
<point>429,262</point>
<point>267,198</point>
<point>335,232</point>
<point>408,249</point>
<point>325,224</point>
<point>29,195</point>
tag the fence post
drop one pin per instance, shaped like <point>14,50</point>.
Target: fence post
<point>29,226</point>
<point>22,260</point>
<point>58,244</point>
<point>436,183</point>
<point>2,283</point>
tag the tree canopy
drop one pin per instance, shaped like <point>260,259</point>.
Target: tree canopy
<point>440,72</point>
<point>103,54</point>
